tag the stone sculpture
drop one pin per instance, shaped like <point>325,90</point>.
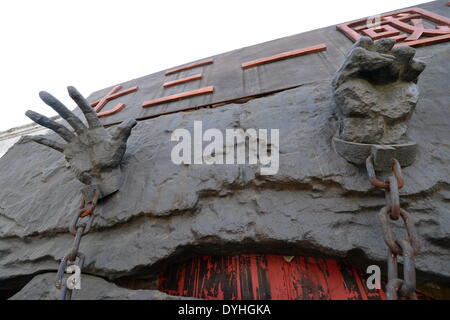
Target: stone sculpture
<point>94,154</point>
<point>375,93</point>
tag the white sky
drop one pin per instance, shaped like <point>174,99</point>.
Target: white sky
<point>50,44</point>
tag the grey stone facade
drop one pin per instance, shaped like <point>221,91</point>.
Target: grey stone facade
<point>317,203</point>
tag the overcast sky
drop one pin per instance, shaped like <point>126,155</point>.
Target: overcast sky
<point>50,44</point>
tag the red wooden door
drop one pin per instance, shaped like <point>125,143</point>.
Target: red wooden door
<point>263,277</point>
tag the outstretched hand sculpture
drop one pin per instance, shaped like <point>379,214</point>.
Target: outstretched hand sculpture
<point>93,153</point>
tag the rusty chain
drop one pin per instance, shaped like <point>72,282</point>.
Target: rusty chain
<point>407,248</point>
<point>78,228</point>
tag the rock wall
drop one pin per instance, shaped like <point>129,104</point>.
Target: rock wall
<point>316,204</point>
<point>94,288</point>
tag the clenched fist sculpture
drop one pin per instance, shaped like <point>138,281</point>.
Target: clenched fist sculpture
<point>94,154</point>
<point>375,92</point>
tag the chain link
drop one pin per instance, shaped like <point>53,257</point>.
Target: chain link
<point>79,226</point>
<point>407,248</point>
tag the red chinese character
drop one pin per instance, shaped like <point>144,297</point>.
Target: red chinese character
<point>407,27</point>
<point>113,94</point>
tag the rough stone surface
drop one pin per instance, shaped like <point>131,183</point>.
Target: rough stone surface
<point>42,287</point>
<point>375,91</point>
<point>317,203</point>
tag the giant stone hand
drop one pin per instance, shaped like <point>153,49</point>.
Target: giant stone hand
<point>375,92</point>
<point>94,154</point>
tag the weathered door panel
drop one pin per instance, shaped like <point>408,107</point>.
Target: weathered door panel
<point>264,277</point>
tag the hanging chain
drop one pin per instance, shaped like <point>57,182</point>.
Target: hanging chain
<point>78,228</point>
<point>409,248</point>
